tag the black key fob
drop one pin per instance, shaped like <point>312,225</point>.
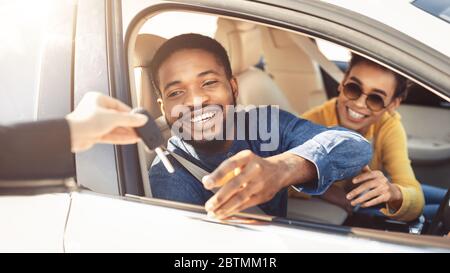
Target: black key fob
<point>149,133</point>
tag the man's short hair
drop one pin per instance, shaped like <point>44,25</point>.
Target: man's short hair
<point>401,90</point>
<point>188,41</point>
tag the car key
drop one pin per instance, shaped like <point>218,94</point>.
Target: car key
<point>152,137</point>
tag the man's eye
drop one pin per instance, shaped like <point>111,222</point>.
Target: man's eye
<point>175,93</point>
<point>210,83</point>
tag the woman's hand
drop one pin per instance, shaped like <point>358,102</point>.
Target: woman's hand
<point>375,189</point>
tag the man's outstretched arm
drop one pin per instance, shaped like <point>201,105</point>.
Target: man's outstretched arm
<point>314,158</point>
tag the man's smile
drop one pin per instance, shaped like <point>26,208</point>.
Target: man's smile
<point>203,117</point>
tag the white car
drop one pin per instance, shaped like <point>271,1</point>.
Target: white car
<point>56,51</point>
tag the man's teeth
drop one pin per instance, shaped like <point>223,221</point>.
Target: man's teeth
<point>203,117</point>
<point>354,114</point>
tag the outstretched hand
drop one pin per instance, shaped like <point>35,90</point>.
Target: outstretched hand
<point>102,119</point>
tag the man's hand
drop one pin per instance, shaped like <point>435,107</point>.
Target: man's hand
<point>378,190</point>
<point>258,180</point>
<point>102,119</point>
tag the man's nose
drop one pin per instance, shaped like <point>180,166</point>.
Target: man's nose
<point>197,97</point>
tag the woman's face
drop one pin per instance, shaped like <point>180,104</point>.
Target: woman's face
<point>372,80</point>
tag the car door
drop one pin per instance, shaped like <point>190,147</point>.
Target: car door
<point>103,222</point>
<point>36,75</point>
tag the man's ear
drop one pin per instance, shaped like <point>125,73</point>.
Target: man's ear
<point>161,106</point>
<point>394,105</point>
<point>234,87</point>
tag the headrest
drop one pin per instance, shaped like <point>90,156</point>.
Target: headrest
<point>145,49</point>
<point>241,40</point>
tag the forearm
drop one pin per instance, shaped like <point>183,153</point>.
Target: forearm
<point>295,169</point>
<point>336,155</point>
<point>38,150</point>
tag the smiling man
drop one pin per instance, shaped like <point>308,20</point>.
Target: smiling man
<point>198,92</point>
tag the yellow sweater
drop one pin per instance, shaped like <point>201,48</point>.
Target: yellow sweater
<point>390,154</point>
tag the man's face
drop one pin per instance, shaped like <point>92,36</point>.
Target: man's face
<point>354,114</point>
<point>195,92</point>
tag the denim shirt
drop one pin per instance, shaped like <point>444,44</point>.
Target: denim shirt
<point>336,152</point>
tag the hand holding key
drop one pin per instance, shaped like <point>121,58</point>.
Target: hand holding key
<point>152,137</point>
<point>101,119</point>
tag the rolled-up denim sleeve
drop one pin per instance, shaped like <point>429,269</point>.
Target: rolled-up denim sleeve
<point>337,154</point>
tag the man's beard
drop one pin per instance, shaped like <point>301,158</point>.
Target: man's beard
<point>214,145</point>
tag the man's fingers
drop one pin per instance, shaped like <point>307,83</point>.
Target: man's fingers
<point>237,161</point>
<point>231,188</point>
<point>226,210</point>
<point>222,181</point>
<point>241,198</point>
<point>253,201</point>
<point>366,169</point>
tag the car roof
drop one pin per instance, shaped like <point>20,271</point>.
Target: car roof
<point>403,16</point>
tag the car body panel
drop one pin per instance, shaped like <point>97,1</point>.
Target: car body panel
<point>100,224</point>
<point>33,223</point>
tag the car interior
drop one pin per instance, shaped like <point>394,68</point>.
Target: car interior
<point>279,67</point>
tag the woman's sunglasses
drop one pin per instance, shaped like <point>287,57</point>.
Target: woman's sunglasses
<point>374,101</point>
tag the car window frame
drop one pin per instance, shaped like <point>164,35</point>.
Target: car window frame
<point>306,23</point>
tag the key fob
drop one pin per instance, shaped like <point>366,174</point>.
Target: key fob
<point>149,133</point>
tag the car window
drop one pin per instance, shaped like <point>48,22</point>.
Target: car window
<point>333,51</point>
<point>198,23</point>
<point>438,8</point>
<point>417,95</point>
<point>22,26</point>
<point>297,81</point>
